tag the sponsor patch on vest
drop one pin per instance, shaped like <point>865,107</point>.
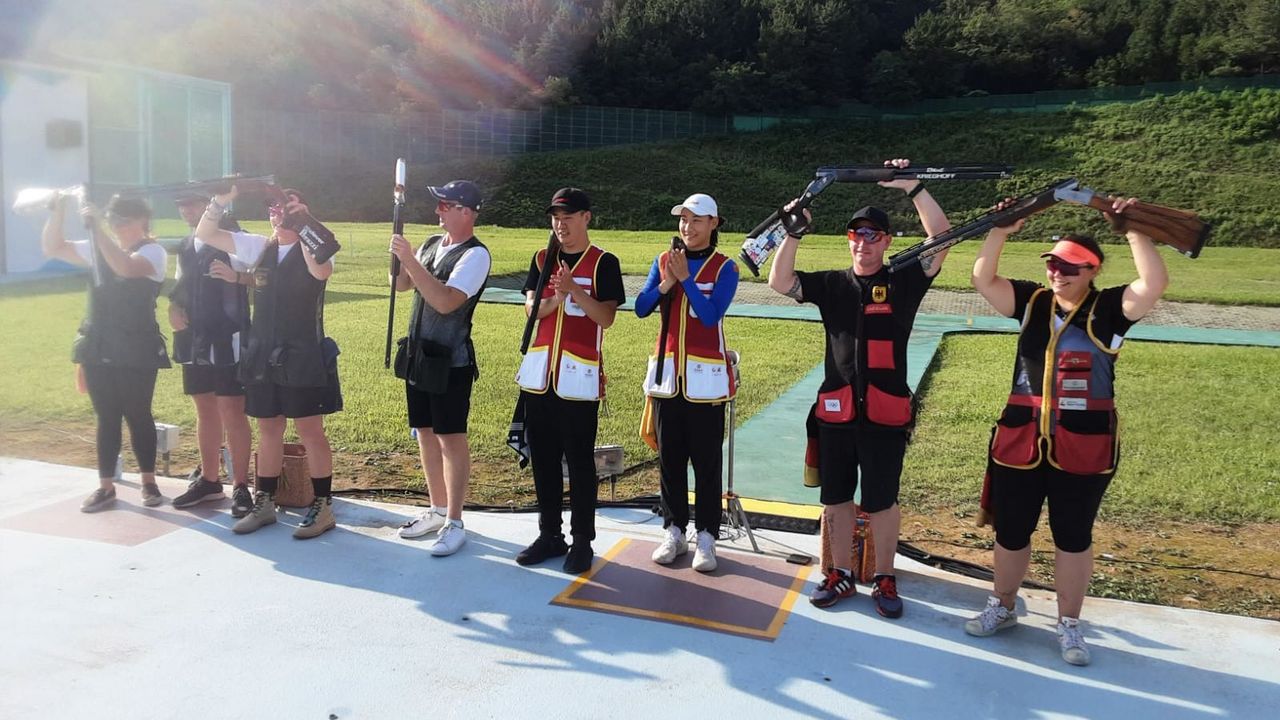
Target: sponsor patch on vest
<point>1073,403</point>
<point>260,276</point>
<point>1075,384</point>
<point>879,293</point>
<point>831,405</point>
<point>879,309</point>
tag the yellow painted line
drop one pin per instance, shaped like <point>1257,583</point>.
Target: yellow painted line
<point>784,608</point>
<point>768,634</point>
<point>777,507</point>
<point>583,579</point>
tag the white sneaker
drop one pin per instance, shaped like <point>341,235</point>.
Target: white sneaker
<point>1071,638</point>
<point>427,521</point>
<point>704,557</point>
<point>994,618</point>
<point>672,547</point>
<point>450,539</point>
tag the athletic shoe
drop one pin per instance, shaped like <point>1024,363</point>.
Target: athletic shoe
<point>672,547</point>
<point>885,593</point>
<point>151,496</point>
<point>450,539</point>
<point>994,618</point>
<point>836,586</point>
<point>319,519</point>
<point>579,558</point>
<point>1071,639</point>
<point>541,549</point>
<point>198,491</point>
<point>99,499</point>
<point>427,521</point>
<point>262,513</point>
<point>241,501</point>
<point>704,556</point>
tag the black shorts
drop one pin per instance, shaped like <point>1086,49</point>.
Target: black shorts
<point>1017,497</point>
<point>221,380</point>
<point>844,454</point>
<point>445,413</point>
<point>268,400</point>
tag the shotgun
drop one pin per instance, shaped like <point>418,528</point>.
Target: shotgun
<point>397,228</point>
<point>549,260</point>
<point>664,311</point>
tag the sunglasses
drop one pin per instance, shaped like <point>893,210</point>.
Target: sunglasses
<point>867,235</point>
<point>1065,269</point>
<point>443,206</point>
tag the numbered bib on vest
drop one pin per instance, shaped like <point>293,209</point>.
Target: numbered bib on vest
<point>706,379</point>
<point>705,289</point>
<point>668,386</point>
<point>532,374</point>
<point>577,378</point>
<point>573,308</point>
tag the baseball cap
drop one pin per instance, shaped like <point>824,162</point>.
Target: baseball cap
<point>698,204</point>
<point>570,200</point>
<point>463,192</point>
<point>873,215</point>
<point>1073,252</point>
<point>191,196</point>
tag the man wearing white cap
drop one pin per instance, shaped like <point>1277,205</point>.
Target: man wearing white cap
<point>695,285</point>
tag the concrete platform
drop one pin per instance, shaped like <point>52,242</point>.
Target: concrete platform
<point>194,622</point>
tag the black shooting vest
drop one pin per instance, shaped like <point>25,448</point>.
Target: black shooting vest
<point>454,329</point>
<point>286,342</point>
<point>120,328</point>
<point>216,310</point>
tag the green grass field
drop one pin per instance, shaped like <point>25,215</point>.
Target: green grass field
<point>1196,418</point>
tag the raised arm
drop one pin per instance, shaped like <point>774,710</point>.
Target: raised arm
<point>997,290</point>
<point>1141,294</point>
<point>53,241</point>
<point>931,215</point>
<point>123,263</point>
<point>207,230</point>
<point>782,273</point>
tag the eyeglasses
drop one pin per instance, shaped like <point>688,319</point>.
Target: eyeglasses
<point>867,235</point>
<point>1065,269</point>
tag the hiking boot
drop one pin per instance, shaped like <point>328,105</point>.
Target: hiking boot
<point>198,491</point>
<point>836,586</point>
<point>704,555</point>
<point>579,558</point>
<point>1071,640</point>
<point>241,501</point>
<point>99,499</point>
<point>261,514</point>
<point>672,547</point>
<point>450,539</point>
<point>543,548</point>
<point>319,519</point>
<point>151,496</point>
<point>885,593</point>
<point>427,522</point>
<point>994,618</point>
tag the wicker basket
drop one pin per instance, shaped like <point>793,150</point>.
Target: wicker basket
<point>864,548</point>
<point>294,488</point>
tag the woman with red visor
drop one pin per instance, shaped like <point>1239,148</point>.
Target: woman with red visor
<point>1056,439</point>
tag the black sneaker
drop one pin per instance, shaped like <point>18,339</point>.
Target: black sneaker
<point>200,490</point>
<point>241,501</point>
<point>579,558</point>
<point>541,549</point>
<point>884,591</point>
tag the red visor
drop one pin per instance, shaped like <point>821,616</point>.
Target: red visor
<point>1074,253</point>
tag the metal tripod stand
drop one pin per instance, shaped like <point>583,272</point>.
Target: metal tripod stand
<point>735,515</point>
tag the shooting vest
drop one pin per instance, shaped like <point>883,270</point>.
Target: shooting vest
<point>878,396</point>
<point>286,343</point>
<point>693,355</point>
<point>452,330</point>
<point>1062,405</point>
<point>120,328</point>
<point>216,310</point>
<point>566,351</point>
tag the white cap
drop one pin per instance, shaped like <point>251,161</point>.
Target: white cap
<point>698,204</point>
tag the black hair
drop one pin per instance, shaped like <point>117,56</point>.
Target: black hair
<point>131,209</point>
<point>715,238</point>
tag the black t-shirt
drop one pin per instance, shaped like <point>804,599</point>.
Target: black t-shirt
<point>1108,314</point>
<point>841,296</point>
<point>608,276</point>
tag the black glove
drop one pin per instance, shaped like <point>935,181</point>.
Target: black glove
<point>795,223</point>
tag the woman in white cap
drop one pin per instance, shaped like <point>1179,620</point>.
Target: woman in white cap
<point>1056,438</point>
<point>694,284</point>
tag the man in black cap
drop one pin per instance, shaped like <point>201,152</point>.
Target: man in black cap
<point>448,275</point>
<point>561,378</point>
<point>209,312</point>
<point>864,410</point>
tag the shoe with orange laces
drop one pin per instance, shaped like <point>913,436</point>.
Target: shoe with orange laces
<point>885,592</point>
<point>836,586</point>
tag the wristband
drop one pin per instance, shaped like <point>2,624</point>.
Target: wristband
<point>915,190</point>
<point>215,209</point>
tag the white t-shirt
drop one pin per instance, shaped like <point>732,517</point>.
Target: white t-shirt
<point>153,253</point>
<point>249,249</point>
<point>472,268</point>
<point>236,263</point>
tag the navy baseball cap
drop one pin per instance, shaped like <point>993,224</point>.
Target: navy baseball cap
<point>873,215</point>
<point>463,192</point>
<point>570,200</point>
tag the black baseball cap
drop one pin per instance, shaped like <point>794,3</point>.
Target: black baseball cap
<point>463,192</point>
<point>128,208</point>
<point>570,200</point>
<point>191,196</point>
<point>873,215</point>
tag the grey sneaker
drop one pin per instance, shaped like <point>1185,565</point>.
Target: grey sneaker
<point>1071,639</point>
<point>319,519</point>
<point>994,618</point>
<point>151,496</point>
<point>198,491</point>
<point>99,499</point>
<point>241,501</point>
<point>261,514</point>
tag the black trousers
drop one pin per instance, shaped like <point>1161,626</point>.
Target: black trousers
<point>559,428</point>
<point>690,432</point>
<point>121,393</point>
